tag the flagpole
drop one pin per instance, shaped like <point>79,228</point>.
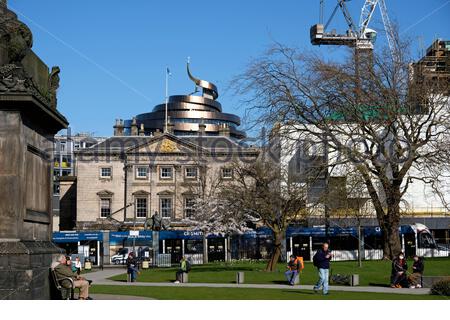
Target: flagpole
<point>167,97</point>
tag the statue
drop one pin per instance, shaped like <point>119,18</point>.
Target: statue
<point>15,36</point>
<point>17,61</point>
<point>209,89</point>
<point>53,85</point>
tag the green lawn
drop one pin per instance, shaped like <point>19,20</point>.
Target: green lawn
<point>372,273</point>
<point>178,293</point>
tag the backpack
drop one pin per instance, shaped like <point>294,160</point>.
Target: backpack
<point>188,266</point>
<point>300,260</point>
<point>315,262</point>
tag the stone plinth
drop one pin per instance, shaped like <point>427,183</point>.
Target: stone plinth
<point>28,122</point>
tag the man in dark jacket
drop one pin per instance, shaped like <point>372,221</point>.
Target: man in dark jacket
<point>321,261</point>
<point>132,266</point>
<point>293,270</point>
<point>398,274</point>
<point>415,277</point>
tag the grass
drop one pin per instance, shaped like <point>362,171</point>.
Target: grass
<point>372,272</point>
<point>171,293</point>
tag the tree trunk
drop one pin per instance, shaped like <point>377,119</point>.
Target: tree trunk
<point>275,257</point>
<point>391,224</point>
<point>391,236</point>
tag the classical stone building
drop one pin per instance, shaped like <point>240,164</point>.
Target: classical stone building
<point>65,144</point>
<point>28,122</point>
<point>120,183</point>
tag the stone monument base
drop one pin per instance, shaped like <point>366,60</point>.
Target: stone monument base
<point>24,269</point>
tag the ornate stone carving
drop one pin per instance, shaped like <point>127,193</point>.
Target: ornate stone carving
<point>168,146</point>
<point>16,41</point>
<point>15,36</point>
<point>53,85</point>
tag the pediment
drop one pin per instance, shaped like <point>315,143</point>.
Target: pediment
<point>165,193</point>
<point>166,144</point>
<point>105,193</point>
<point>141,193</point>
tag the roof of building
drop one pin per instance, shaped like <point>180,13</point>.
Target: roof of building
<point>212,144</point>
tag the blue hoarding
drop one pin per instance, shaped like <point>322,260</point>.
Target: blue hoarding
<point>69,236</point>
<point>119,236</point>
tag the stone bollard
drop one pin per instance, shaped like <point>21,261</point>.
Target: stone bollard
<point>184,277</point>
<point>240,277</point>
<point>354,280</point>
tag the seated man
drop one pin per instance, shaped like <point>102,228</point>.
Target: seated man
<point>416,275</point>
<point>62,270</point>
<point>398,274</point>
<point>185,267</point>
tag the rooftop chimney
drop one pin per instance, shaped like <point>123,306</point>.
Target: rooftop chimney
<point>224,130</point>
<point>201,127</point>
<point>118,127</point>
<point>142,130</point>
<point>134,127</point>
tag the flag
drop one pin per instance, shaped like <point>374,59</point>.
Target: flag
<point>168,72</point>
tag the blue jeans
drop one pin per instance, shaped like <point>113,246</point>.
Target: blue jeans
<point>323,280</point>
<point>132,272</point>
<point>291,275</point>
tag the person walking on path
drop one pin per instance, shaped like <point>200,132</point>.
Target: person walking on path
<point>293,270</point>
<point>415,277</point>
<point>398,273</point>
<point>321,261</point>
<point>132,267</point>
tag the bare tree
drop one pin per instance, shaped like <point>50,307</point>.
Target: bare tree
<point>367,112</point>
<point>261,192</point>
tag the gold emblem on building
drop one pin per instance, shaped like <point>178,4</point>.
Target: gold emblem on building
<point>168,146</point>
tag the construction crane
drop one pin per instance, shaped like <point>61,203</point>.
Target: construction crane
<point>361,36</point>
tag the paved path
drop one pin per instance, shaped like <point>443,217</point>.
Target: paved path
<point>101,296</point>
<point>100,278</point>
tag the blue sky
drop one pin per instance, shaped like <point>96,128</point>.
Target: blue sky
<point>113,53</point>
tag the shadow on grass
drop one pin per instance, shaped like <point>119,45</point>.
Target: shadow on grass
<point>304,292</point>
<point>374,284</point>
<point>279,282</point>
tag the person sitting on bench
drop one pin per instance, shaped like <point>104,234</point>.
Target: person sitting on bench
<point>398,274</point>
<point>416,276</point>
<point>62,270</point>
<point>185,267</point>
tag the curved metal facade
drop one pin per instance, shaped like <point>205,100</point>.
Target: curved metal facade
<point>190,114</point>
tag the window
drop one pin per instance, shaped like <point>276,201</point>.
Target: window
<point>141,207</point>
<point>189,203</point>
<point>166,173</point>
<point>227,173</point>
<point>105,172</point>
<point>141,172</point>
<point>105,207</point>
<point>165,207</point>
<point>190,172</point>
<point>62,146</point>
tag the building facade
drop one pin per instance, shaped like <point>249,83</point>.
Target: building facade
<point>64,146</point>
<point>151,170</point>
